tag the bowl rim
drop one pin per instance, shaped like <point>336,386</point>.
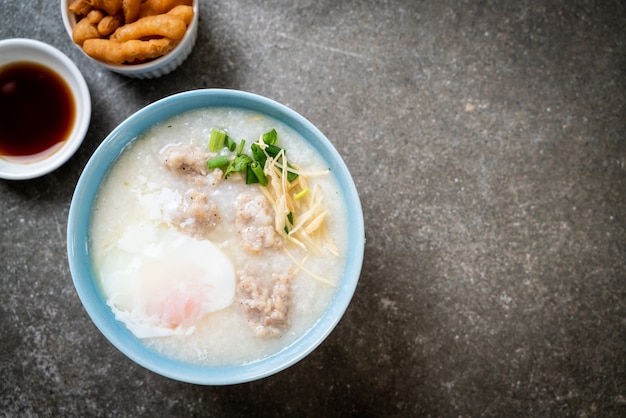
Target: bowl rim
<point>45,54</point>
<point>136,69</point>
<point>83,275</point>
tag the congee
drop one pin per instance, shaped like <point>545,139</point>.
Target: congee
<point>219,236</point>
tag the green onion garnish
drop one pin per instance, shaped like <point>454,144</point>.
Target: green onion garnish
<point>238,164</point>
<point>240,146</point>
<point>273,150</point>
<point>217,162</point>
<point>250,177</point>
<point>301,194</point>
<point>289,222</point>
<point>258,154</point>
<point>291,176</point>
<point>230,144</point>
<point>216,143</point>
<point>258,172</point>
<point>253,166</point>
<point>270,137</point>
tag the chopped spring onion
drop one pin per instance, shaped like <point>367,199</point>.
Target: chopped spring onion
<point>258,172</point>
<point>273,150</point>
<point>250,177</point>
<point>289,222</point>
<point>216,142</point>
<point>291,176</point>
<point>217,162</point>
<point>242,143</point>
<point>230,143</point>
<point>300,194</point>
<point>240,163</point>
<point>258,154</point>
<point>270,137</point>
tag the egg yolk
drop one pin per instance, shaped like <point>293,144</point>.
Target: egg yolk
<point>174,297</point>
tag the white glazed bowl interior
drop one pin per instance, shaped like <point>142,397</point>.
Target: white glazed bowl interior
<point>152,69</point>
<point>29,50</point>
<point>79,252</point>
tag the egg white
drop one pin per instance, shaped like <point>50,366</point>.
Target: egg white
<point>160,282</point>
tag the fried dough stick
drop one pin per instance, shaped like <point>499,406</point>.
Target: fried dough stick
<point>156,7</point>
<point>118,53</point>
<point>109,6</point>
<point>165,25</point>
<point>185,13</point>
<point>131,10</point>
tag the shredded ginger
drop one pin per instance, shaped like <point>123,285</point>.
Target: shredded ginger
<point>300,211</point>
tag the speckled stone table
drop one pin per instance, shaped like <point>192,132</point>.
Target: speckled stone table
<point>488,143</point>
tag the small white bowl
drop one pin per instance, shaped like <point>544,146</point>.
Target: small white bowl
<point>29,50</point>
<point>152,69</point>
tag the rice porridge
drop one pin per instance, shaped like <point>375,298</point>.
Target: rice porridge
<point>204,264</point>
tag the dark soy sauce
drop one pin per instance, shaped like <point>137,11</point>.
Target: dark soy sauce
<point>37,111</point>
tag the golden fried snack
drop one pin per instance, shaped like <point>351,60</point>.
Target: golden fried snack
<point>157,7</point>
<point>109,24</point>
<point>131,10</point>
<point>185,13</point>
<point>117,53</point>
<point>79,8</point>
<point>165,25</point>
<point>84,30</point>
<point>95,16</point>
<point>109,6</point>
<point>111,30</point>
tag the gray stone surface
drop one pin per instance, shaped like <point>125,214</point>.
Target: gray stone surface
<point>487,141</point>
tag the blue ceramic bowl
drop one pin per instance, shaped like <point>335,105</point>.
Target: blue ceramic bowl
<point>79,252</point>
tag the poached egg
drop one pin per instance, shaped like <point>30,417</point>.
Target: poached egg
<point>160,282</point>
